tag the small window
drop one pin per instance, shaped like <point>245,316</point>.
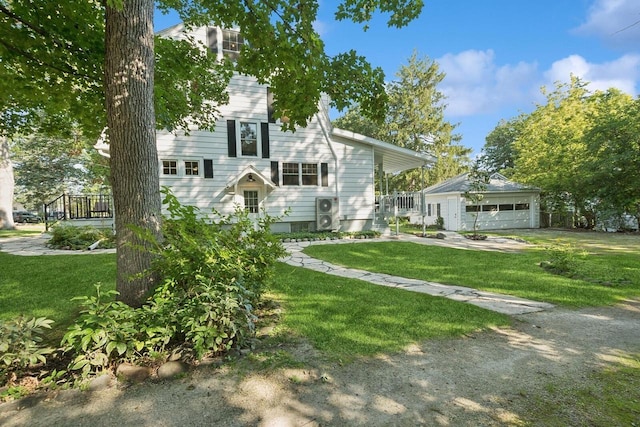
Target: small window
<point>473,208</point>
<point>506,207</point>
<point>522,206</point>
<point>232,42</point>
<point>169,167</point>
<point>191,168</point>
<point>489,208</point>
<point>438,212</point>
<point>429,209</point>
<point>309,174</point>
<point>290,175</point>
<point>249,139</point>
<point>251,204</point>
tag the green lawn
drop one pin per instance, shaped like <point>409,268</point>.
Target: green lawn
<point>346,317</point>
<point>516,274</point>
<point>44,285</point>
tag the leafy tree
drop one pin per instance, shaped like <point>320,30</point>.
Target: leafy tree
<point>49,162</point>
<point>498,154</point>
<point>551,149</point>
<point>614,141</point>
<point>478,180</point>
<point>415,121</point>
<point>53,56</point>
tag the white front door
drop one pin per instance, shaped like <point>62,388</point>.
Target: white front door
<point>252,198</point>
<point>452,215</point>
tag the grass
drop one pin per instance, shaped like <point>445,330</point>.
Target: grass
<point>24,231</point>
<point>608,397</point>
<point>347,317</point>
<point>516,274</point>
<point>44,285</point>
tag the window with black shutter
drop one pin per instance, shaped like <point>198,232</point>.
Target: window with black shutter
<point>212,39</point>
<point>231,138</point>
<point>324,174</point>
<point>264,134</point>
<point>270,109</point>
<point>275,173</point>
<point>208,168</point>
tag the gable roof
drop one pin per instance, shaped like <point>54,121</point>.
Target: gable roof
<point>393,158</point>
<point>497,184</point>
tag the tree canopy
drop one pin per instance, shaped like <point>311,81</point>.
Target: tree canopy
<point>415,120</point>
<point>580,148</point>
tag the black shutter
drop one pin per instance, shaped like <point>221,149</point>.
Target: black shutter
<point>264,131</point>
<point>231,138</point>
<point>208,168</point>
<point>212,39</point>
<point>270,116</point>
<point>324,174</point>
<point>275,173</point>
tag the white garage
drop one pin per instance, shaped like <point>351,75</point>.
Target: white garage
<point>505,204</point>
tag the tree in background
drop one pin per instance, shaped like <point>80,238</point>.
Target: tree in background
<point>49,161</point>
<point>614,144</point>
<point>498,153</point>
<point>478,179</point>
<point>415,120</point>
<point>551,150</point>
<point>98,62</point>
<point>580,148</point>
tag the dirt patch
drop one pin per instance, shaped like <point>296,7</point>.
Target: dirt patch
<point>490,378</point>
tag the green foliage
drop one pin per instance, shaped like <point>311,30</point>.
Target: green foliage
<point>563,257</point>
<point>478,180</point>
<point>440,223</point>
<point>214,274</point>
<point>73,237</point>
<point>415,120</point>
<point>21,343</point>
<point>498,152</point>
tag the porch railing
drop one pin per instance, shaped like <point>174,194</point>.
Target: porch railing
<point>69,207</point>
<point>399,204</point>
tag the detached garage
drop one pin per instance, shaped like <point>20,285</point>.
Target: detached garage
<point>506,204</point>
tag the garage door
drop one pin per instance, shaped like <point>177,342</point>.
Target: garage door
<point>500,212</point>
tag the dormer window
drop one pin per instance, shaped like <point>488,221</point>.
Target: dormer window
<point>232,42</point>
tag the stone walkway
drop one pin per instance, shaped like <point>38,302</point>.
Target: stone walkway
<point>33,246</point>
<point>497,302</point>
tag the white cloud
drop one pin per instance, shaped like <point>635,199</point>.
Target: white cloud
<point>616,22</point>
<point>474,84</point>
<point>623,73</point>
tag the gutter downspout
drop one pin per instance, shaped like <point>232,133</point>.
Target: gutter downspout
<point>327,135</point>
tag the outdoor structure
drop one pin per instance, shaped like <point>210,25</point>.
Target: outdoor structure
<point>505,204</point>
<point>323,176</point>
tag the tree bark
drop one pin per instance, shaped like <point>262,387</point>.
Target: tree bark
<point>129,68</point>
<point>6,186</point>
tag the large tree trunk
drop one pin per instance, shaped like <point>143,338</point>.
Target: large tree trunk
<point>129,63</point>
<point>6,186</point>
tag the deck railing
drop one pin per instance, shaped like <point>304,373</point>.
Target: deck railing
<point>399,204</point>
<point>70,207</point>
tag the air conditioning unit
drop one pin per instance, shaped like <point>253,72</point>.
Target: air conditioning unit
<point>327,213</point>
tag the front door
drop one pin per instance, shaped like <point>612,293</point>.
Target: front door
<point>452,215</point>
<point>252,203</point>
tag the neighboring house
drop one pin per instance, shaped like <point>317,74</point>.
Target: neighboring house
<point>325,177</point>
<point>505,204</point>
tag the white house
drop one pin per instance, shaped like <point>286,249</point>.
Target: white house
<point>505,204</point>
<point>324,176</point>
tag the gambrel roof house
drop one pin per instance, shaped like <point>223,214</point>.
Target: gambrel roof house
<point>325,176</point>
<point>505,204</point>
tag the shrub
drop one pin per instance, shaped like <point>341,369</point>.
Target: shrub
<point>214,273</point>
<point>73,237</point>
<point>563,257</point>
<point>21,343</point>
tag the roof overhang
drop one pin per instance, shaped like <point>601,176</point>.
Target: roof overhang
<point>249,175</point>
<point>392,158</point>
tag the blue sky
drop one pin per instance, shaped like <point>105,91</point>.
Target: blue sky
<point>497,54</point>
